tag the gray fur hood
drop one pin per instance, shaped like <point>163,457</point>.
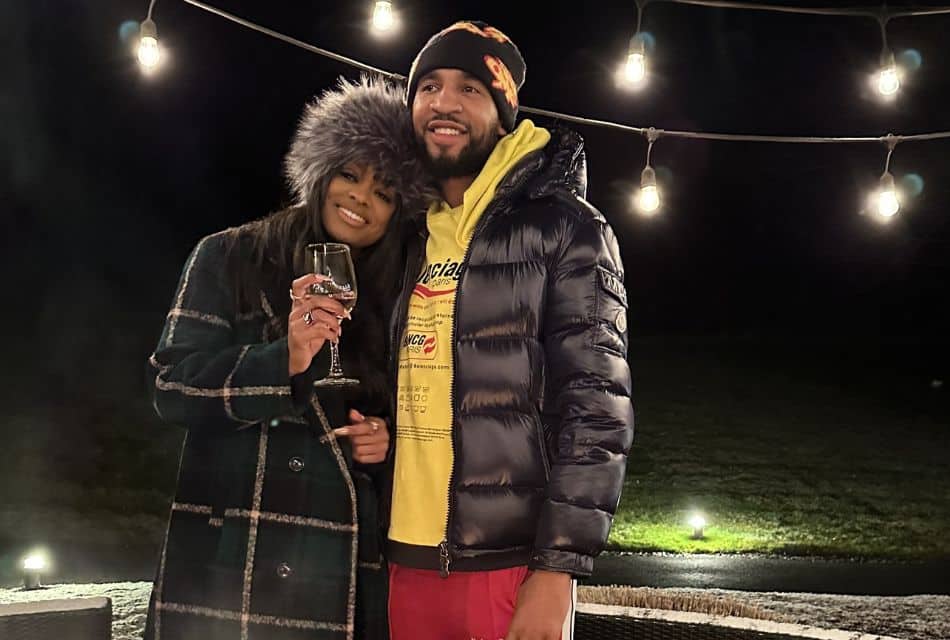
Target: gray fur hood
<point>366,121</point>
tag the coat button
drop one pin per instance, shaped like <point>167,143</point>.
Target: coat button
<point>296,464</point>
<point>284,570</point>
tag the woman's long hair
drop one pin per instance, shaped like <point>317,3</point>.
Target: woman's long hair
<point>269,253</point>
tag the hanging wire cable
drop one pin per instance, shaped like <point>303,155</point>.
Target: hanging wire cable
<point>818,11</point>
<point>736,137</point>
<point>702,135</point>
<point>888,78</point>
<point>293,41</point>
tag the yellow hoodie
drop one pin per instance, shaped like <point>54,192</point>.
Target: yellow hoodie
<point>424,417</point>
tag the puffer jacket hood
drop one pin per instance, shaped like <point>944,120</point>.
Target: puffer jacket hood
<point>365,121</point>
<point>560,166</point>
<point>565,167</point>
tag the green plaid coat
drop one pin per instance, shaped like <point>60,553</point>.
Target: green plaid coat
<point>272,533</point>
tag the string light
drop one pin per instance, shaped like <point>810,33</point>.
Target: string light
<point>887,198</point>
<point>635,70</point>
<point>888,204</point>
<point>633,73</point>
<point>149,54</point>
<point>383,18</point>
<point>888,77</point>
<point>648,198</point>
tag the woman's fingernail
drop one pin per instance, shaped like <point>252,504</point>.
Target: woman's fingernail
<point>342,431</point>
<point>359,416</point>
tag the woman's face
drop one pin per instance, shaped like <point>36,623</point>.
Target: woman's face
<point>357,208</point>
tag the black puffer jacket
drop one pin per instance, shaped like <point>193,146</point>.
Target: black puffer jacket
<point>543,414</point>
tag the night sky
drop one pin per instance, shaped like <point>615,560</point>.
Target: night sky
<point>110,178</point>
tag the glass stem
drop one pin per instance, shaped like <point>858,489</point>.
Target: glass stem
<point>336,371</point>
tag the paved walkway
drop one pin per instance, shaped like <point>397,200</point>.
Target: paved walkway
<point>768,573</point>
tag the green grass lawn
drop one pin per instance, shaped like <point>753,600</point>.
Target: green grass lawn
<point>851,458</point>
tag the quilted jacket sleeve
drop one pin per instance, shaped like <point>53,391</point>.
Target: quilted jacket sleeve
<point>199,375</point>
<point>588,397</point>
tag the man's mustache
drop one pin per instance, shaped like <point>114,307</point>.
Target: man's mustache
<point>446,118</point>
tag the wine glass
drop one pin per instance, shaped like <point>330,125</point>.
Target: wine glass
<point>332,259</point>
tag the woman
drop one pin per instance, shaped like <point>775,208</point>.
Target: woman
<point>274,532</point>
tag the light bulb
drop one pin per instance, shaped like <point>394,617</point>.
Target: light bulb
<point>888,78</point>
<point>383,19</point>
<point>635,71</point>
<point>648,198</point>
<point>148,53</point>
<point>698,523</point>
<point>34,562</point>
<point>888,204</point>
<point>888,81</point>
<point>33,566</point>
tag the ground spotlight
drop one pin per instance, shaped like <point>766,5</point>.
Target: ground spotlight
<point>34,566</point>
<point>698,523</point>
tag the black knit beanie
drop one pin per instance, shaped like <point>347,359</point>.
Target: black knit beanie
<point>481,50</point>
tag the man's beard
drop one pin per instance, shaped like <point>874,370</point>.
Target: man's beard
<point>469,161</point>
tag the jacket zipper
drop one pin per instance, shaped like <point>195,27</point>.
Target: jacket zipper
<point>445,547</point>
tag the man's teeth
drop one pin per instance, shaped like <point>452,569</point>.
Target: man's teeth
<point>447,131</point>
<point>352,216</point>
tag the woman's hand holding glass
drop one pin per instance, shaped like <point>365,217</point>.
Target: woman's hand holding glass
<point>313,320</point>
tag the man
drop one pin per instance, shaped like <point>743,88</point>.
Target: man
<point>514,415</point>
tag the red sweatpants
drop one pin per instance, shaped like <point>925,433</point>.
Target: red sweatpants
<point>468,605</point>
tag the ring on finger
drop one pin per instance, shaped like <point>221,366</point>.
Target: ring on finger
<point>293,297</point>
<point>375,425</point>
<point>308,318</point>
